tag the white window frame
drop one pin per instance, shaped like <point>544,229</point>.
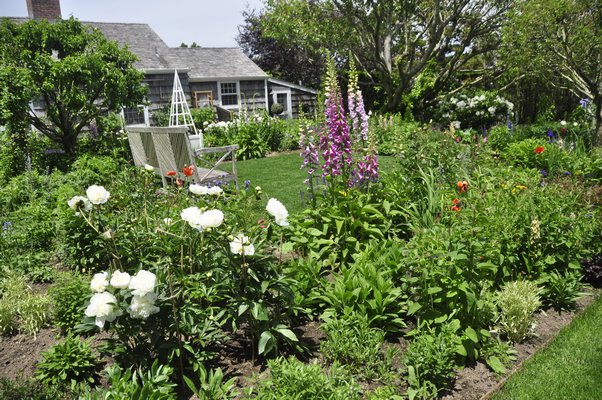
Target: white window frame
<point>289,99</point>
<point>219,93</point>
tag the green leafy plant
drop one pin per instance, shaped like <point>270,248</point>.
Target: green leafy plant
<point>431,359</point>
<point>22,308</point>
<point>350,341</point>
<point>132,384</point>
<point>561,290</point>
<point>68,297</point>
<point>211,385</point>
<point>68,363</point>
<point>291,379</point>
<point>518,301</point>
<point>30,389</point>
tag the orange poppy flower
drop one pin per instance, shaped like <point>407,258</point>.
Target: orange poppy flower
<point>189,170</point>
<point>539,149</point>
<point>171,173</point>
<point>462,186</point>
<point>456,201</point>
<point>456,208</point>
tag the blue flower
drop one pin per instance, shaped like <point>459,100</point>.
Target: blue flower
<point>509,124</point>
<point>7,225</point>
<point>247,184</point>
<point>544,173</point>
<point>566,173</point>
<point>584,102</point>
<point>550,133</point>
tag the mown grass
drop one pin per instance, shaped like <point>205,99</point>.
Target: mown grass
<point>570,368</point>
<point>281,176</point>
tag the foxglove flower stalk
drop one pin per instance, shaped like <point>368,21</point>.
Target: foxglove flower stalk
<point>335,142</point>
<point>355,104</point>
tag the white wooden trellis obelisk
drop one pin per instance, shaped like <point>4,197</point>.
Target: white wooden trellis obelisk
<point>179,114</point>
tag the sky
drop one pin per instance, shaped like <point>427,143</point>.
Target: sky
<point>209,23</point>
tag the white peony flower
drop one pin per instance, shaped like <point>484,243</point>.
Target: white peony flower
<point>192,215</point>
<point>563,122</point>
<point>278,211</point>
<point>203,190</point>
<point>103,307</point>
<point>241,245</point>
<point>202,220</point>
<point>575,124</point>
<point>491,110</point>
<point>211,219</point>
<point>456,124</point>
<point>142,283</point>
<point>120,280</point>
<point>149,167</point>
<point>461,104</point>
<point>143,306</point>
<point>97,194</point>
<point>99,282</point>
<point>79,203</point>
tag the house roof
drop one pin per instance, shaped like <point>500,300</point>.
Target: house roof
<point>201,63</point>
<point>143,41</point>
<point>211,63</point>
<point>302,88</point>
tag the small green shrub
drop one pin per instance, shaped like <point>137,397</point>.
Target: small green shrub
<point>68,297</point>
<point>154,384</point>
<point>518,302</point>
<point>291,379</point>
<point>68,363</point>
<point>276,109</point>
<point>561,291</point>
<point>351,341</point>
<point>430,358</point>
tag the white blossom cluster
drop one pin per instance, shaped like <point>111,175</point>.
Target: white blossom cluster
<point>278,211</point>
<point>200,220</point>
<point>95,195</point>
<point>203,190</point>
<point>475,110</point>
<point>104,306</point>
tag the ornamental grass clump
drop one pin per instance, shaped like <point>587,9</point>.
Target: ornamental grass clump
<point>518,302</point>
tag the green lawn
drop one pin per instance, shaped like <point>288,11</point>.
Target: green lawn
<point>570,368</point>
<point>281,177</point>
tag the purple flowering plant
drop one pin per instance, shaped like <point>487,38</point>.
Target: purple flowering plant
<point>343,149</point>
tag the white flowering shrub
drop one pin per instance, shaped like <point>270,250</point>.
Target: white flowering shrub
<point>479,111</point>
<point>182,267</point>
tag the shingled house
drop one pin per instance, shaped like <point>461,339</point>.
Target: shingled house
<point>222,77</point>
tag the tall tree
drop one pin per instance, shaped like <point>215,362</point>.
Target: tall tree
<point>73,71</point>
<point>287,61</point>
<point>562,40</point>
<point>395,41</point>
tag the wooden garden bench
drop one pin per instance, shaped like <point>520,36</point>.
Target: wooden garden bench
<point>168,149</point>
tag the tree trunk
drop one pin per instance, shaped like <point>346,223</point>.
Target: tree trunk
<point>69,142</point>
<point>598,103</point>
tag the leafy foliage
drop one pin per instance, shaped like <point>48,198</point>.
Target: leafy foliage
<point>518,301</point>
<point>69,362</point>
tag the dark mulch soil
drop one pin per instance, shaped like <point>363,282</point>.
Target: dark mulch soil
<point>19,354</point>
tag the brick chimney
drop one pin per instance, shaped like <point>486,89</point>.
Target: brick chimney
<point>44,9</point>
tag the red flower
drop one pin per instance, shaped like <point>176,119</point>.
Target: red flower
<point>456,208</point>
<point>539,149</point>
<point>462,186</point>
<point>189,170</point>
<point>456,201</point>
<point>458,139</point>
<point>171,173</point>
